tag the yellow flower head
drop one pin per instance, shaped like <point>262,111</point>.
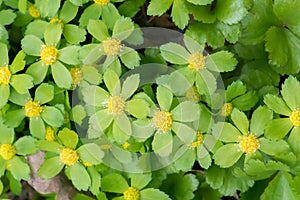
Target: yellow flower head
<point>68,156</point>
<point>116,105</point>
<point>87,164</point>
<point>34,12</point>
<point>111,46</point>
<point>162,120</point>
<point>193,95</point>
<point>49,54</point>
<point>196,61</point>
<point>226,109</point>
<point>57,20</point>
<point>101,2</point>
<point>249,144</point>
<point>199,140</point>
<point>295,118</point>
<point>49,134</point>
<point>126,145</point>
<point>5,75</point>
<point>7,151</point>
<point>76,74</point>
<point>32,109</point>
<point>132,194</point>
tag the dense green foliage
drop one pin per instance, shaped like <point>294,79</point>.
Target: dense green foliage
<point>207,109</point>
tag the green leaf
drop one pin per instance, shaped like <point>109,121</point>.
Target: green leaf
<point>240,120</point>
<point>279,188</point>
<point>37,127</point>
<point>235,89</point>
<point>18,63</point>
<point>280,44</point>
<point>52,34</point>
<point>142,129</point>
<point>130,57</point>
<point>80,177</point>
<point>186,111</point>
<point>1,187</point>
<point>230,11</point>
<point>175,53</point>
<point>184,132</point>
<point>91,75</point>
<point>246,101</point>
<point>69,138</point>
<point>14,118</point>
<point>98,29</point>
<point>37,71</point>
<point>19,168</point>
<point>108,183</point>
<point>261,117</point>
<point>158,7</point>
<point>293,140</point>
<point>73,34</point>
<point>100,120</point>
<point>272,147</point>
<point>44,93</point>
<point>206,82</point>
<point>78,114</point>
<point>291,92</point>
<point>112,82</point>
<point>36,28</point>
<point>277,104</point>
<point>226,132</point>
<point>7,134</point>
<point>7,17</point>
<point>233,154</point>
<point>163,143</point>
<point>49,146</point>
<point>61,75</point>
<point>221,61</point>
<point>200,2</point>
<point>120,154</point>
<point>92,12</point>
<point>95,181</point>
<point>48,8</point>
<point>50,168</point>
<point>140,181</point>
<point>278,128</point>
<point>22,5</point>
<point>123,28</point>
<point>151,193</point>
<point>69,55</point>
<point>68,12</point>
<point>52,116</point>
<point>130,8</point>
<point>21,83</point>
<point>4,93</point>
<point>164,97</point>
<point>32,45</point>
<point>94,95</point>
<point>91,153</point>
<point>25,145</point>
<point>138,108</point>
<point>180,13</point>
<point>287,11</point>
<point>110,15</point>
<point>4,52</point>
<point>123,123</point>
<point>130,85</point>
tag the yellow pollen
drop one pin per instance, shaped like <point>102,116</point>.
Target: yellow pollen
<point>111,47</point>
<point>49,54</point>
<point>5,75</point>
<point>162,120</point>
<point>106,146</point>
<point>226,109</point>
<point>249,144</point>
<point>196,61</point>
<point>295,118</point>
<point>7,151</point>
<point>199,140</point>
<point>57,20</point>
<point>116,105</point>
<point>34,12</point>
<point>49,134</point>
<point>192,94</point>
<point>32,109</point>
<point>102,2</point>
<point>87,164</point>
<point>68,156</point>
<point>132,194</point>
<point>76,74</point>
<point>126,145</point>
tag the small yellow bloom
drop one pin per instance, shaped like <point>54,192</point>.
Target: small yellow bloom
<point>5,75</point>
<point>126,145</point>
<point>57,20</point>
<point>111,46</point>
<point>49,134</point>
<point>199,140</point>
<point>196,61</point>
<point>101,2</point>
<point>162,120</point>
<point>226,109</point>
<point>249,144</point>
<point>49,54</point>
<point>132,194</point>
<point>76,74</point>
<point>106,146</point>
<point>68,156</point>
<point>193,95</point>
<point>34,12</point>
<point>7,151</point>
<point>295,118</point>
<point>116,105</point>
<point>32,109</point>
<point>87,164</point>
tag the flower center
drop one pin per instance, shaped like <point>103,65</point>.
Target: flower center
<point>87,164</point>
<point>295,118</point>
<point>249,144</point>
<point>196,61</point>
<point>34,12</point>
<point>57,20</point>
<point>126,145</point>
<point>192,94</point>
<point>68,156</point>
<point>49,54</point>
<point>5,75</point>
<point>111,46</point>
<point>199,140</point>
<point>162,120</point>
<point>226,109</point>
<point>32,109</point>
<point>49,134</point>
<point>102,2</point>
<point>76,74</point>
<point>132,194</point>
<point>116,105</point>
<point>7,151</point>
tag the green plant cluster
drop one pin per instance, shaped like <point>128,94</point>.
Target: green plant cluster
<point>220,118</point>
